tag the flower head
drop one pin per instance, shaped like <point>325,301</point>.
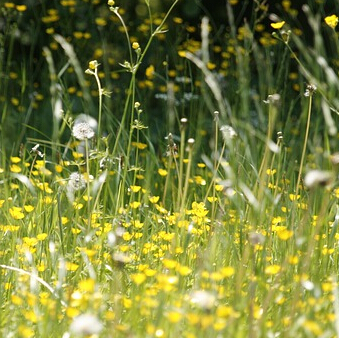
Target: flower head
<point>310,90</point>
<point>82,131</point>
<point>93,64</point>
<point>332,21</point>
<point>203,299</point>
<point>278,25</point>
<point>228,133</point>
<point>273,99</point>
<point>86,324</point>
<point>135,45</point>
<point>76,181</point>
<point>316,178</point>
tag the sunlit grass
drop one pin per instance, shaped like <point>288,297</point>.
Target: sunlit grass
<point>175,189</point>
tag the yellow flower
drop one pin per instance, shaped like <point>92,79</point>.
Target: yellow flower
<point>183,270</point>
<point>293,197</point>
<point>138,278</point>
<point>278,25</point>
<point>169,263</point>
<point>271,172</point>
<point>135,204</point>
<point>135,188</point>
<point>28,208</point>
<point>285,234</point>
<point>100,21</point>
<point>332,21</point>
<point>272,269</point>
<point>16,213</point>
<point>135,45</point>
<point>153,199</point>
<point>93,64</point>
<point>139,145</point>
<point>21,8</point>
<point>174,316</point>
<point>227,271</point>
<point>162,172</point>
<point>41,237</point>
<point>15,159</point>
<point>71,266</point>
<point>87,285</point>
<point>15,168</point>
<point>9,5</point>
<point>182,53</point>
<point>150,72</point>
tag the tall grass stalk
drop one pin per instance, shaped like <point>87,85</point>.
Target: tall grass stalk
<point>311,91</point>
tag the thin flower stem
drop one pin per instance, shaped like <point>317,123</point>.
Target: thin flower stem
<point>157,31</point>
<point>87,179</point>
<point>169,165</point>
<point>116,12</point>
<point>181,166</point>
<point>188,171</point>
<point>305,143</point>
<point>100,104</point>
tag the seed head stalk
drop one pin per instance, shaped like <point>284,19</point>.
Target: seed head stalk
<point>100,104</point>
<point>183,126</point>
<point>310,92</point>
<point>188,171</point>
<point>88,187</point>
<point>93,70</point>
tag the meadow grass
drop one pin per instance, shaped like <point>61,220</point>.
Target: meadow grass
<point>214,214</point>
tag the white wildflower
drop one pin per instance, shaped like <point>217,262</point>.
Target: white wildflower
<point>308,285</point>
<point>82,131</point>
<point>310,90</point>
<point>93,123</point>
<point>76,182</point>
<point>317,177</point>
<point>203,299</point>
<point>272,99</point>
<point>228,133</point>
<point>86,325</point>
<point>36,150</point>
<point>256,238</point>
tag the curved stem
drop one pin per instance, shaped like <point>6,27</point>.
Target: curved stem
<point>100,104</point>
<point>126,33</point>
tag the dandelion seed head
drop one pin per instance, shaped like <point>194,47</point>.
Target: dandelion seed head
<point>86,324</point>
<point>82,131</point>
<point>76,181</point>
<point>310,90</point>
<point>316,178</point>
<point>256,238</point>
<point>203,299</point>
<point>273,99</point>
<point>228,133</point>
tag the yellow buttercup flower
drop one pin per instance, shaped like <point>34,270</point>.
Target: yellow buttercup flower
<point>332,21</point>
<point>278,25</point>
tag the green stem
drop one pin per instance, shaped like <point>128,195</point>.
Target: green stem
<point>181,166</point>
<point>115,11</point>
<point>87,179</point>
<point>305,143</point>
<point>188,171</point>
<point>100,105</point>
